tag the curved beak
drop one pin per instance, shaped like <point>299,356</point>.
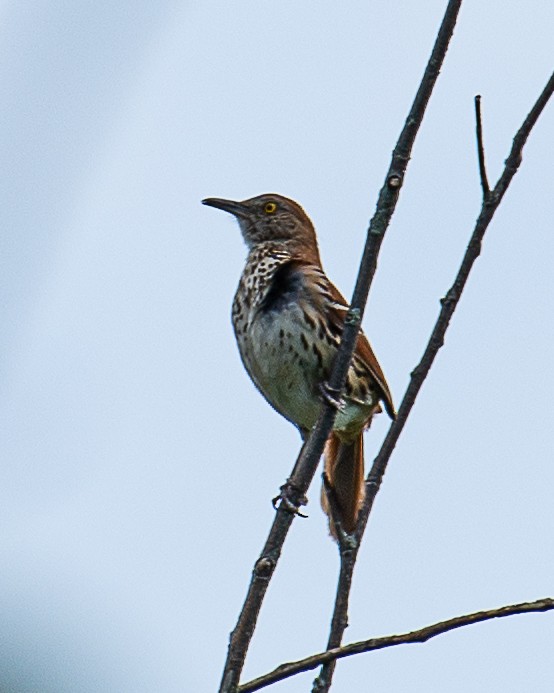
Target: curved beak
<point>236,208</point>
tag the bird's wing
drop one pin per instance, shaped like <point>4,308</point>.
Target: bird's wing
<point>335,307</point>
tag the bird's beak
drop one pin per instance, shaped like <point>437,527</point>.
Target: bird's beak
<point>236,208</point>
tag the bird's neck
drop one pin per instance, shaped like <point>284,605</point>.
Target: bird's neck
<point>285,251</point>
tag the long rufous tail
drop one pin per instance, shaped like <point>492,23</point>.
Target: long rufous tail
<point>344,467</point>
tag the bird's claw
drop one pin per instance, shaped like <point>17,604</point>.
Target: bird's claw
<point>332,396</point>
<point>285,502</point>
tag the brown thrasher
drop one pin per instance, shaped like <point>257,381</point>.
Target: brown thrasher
<point>288,320</point>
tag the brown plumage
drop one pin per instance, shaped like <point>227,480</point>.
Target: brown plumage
<point>288,320</point>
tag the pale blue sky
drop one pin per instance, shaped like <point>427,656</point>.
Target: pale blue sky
<point>138,461</point>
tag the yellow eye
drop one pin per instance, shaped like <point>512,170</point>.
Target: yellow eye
<point>270,207</point>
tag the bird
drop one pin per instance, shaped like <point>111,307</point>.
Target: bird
<point>288,319</point>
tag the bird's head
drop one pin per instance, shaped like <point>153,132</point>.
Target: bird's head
<point>271,217</point>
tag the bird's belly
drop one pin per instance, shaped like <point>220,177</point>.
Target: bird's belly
<point>287,372</point>
<point>278,350</point>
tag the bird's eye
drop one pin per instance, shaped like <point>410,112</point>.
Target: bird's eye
<point>270,208</point>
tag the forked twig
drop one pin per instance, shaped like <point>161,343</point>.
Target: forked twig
<point>491,201</point>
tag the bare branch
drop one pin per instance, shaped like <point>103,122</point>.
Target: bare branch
<point>418,375</point>
<point>310,454</point>
<point>417,636</point>
<point>481,148</point>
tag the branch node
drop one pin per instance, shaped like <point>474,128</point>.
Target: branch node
<point>353,316</point>
<point>394,181</point>
<point>264,567</point>
<point>349,544</point>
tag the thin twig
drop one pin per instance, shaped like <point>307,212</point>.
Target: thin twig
<point>310,454</point>
<point>339,621</point>
<point>418,375</point>
<point>481,148</point>
<point>348,545</point>
<point>417,636</point>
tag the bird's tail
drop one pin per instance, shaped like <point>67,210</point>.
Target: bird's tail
<point>344,468</point>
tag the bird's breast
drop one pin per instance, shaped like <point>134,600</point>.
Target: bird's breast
<point>287,353</point>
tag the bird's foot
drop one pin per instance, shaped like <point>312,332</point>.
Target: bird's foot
<point>332,396</point>
<point>290,499</point>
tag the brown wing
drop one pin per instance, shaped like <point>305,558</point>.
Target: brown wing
<point>365,353</point>
<point>335,306</point>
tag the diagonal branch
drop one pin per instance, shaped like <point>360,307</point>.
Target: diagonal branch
<point>310,454</point>
<point>418,375</point>
<point>416,636</point>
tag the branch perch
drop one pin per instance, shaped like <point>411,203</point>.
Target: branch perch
<point>308,460</point>
<point>491,202</point>
<point>417,636</point>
